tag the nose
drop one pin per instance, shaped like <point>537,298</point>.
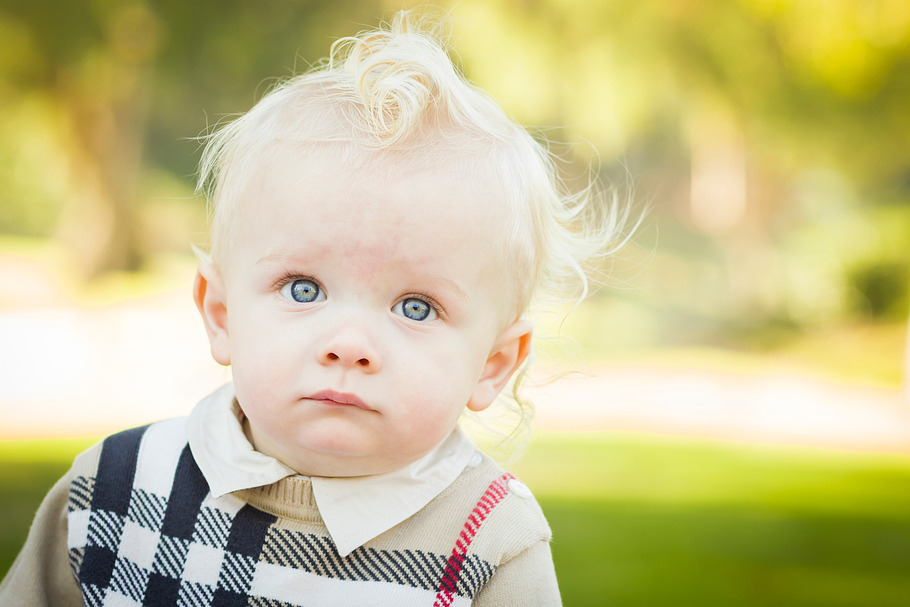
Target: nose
<point>350,346</point>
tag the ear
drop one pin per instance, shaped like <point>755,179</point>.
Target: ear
<point>509,351</point>
<point>209,295</point>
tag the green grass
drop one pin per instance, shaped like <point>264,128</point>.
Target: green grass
<point>27,470</point>
<point>646,521</point>
<point>641,521</point>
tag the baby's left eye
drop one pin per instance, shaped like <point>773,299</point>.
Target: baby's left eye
<point>415,309</point>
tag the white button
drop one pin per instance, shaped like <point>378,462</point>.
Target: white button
<point>519,488</point>
<point>476,460</point>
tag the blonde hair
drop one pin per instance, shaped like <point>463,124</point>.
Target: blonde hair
<point>396,89</point>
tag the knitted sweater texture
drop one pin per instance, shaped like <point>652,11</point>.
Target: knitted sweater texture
<point>141,528</point>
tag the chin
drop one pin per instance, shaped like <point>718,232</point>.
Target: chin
<point>342,447</point>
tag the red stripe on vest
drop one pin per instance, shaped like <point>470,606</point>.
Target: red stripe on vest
<point>494,494</point>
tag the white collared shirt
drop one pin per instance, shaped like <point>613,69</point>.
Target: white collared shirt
<point>354,509</point>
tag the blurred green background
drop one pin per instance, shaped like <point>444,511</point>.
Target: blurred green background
<point>767,138</point>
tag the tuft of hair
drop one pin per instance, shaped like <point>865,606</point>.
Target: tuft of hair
<point>395,89</point>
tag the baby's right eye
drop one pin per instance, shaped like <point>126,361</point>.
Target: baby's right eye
<point>302,290</point>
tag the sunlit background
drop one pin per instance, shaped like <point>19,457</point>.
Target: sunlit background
<point>737,431</point>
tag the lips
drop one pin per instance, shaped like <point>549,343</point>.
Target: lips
<point>330,397</point>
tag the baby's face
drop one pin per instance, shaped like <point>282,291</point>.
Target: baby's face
<point>366,306</point>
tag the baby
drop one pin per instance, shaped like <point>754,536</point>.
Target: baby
<point>379,230</point>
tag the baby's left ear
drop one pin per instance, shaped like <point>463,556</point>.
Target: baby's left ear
<point>509,351</point>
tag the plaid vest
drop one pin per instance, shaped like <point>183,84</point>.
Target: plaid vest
<point>145,530</point>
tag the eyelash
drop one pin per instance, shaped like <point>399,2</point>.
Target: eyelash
<point>290,277</point>
<point>440,313</point>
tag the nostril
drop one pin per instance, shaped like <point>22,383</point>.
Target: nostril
<point>335,357</point>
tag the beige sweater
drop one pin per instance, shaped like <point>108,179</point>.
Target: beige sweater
<point>478,543</point>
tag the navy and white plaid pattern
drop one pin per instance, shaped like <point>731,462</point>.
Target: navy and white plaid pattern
<point>146,531</point>
<point>142,548</point>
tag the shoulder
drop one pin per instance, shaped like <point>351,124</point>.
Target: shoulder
<point>513,520</point>
<point>490,507</point>
<point>117,457</point>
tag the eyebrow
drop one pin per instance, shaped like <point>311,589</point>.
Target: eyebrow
<point>449,285</point>
<point>281,258</point>
<point>273,258</point>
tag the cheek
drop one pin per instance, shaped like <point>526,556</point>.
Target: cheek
<point>262,363</point>
<point>441,385</point>
<point>429,420</point>
<point>259,338</point>
<point>253,363</point>
<point>253,389</point>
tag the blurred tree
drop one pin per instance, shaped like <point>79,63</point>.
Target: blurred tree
<point>742,97</point>
<point>92,61</point>
<point>817,80</point>
<point>129,80</point>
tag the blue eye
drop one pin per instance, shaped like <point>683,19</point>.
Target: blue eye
<point>303,291</point>
<point>415,309</point>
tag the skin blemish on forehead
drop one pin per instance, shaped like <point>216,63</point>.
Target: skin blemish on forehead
<point>373,237</point>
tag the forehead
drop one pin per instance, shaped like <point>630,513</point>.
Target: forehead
<point>348,184</point>
<point>341,200</point>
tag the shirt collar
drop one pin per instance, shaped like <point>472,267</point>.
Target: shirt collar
<point>356,509</point>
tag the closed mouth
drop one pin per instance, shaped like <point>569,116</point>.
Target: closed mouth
<point>340,398</point>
